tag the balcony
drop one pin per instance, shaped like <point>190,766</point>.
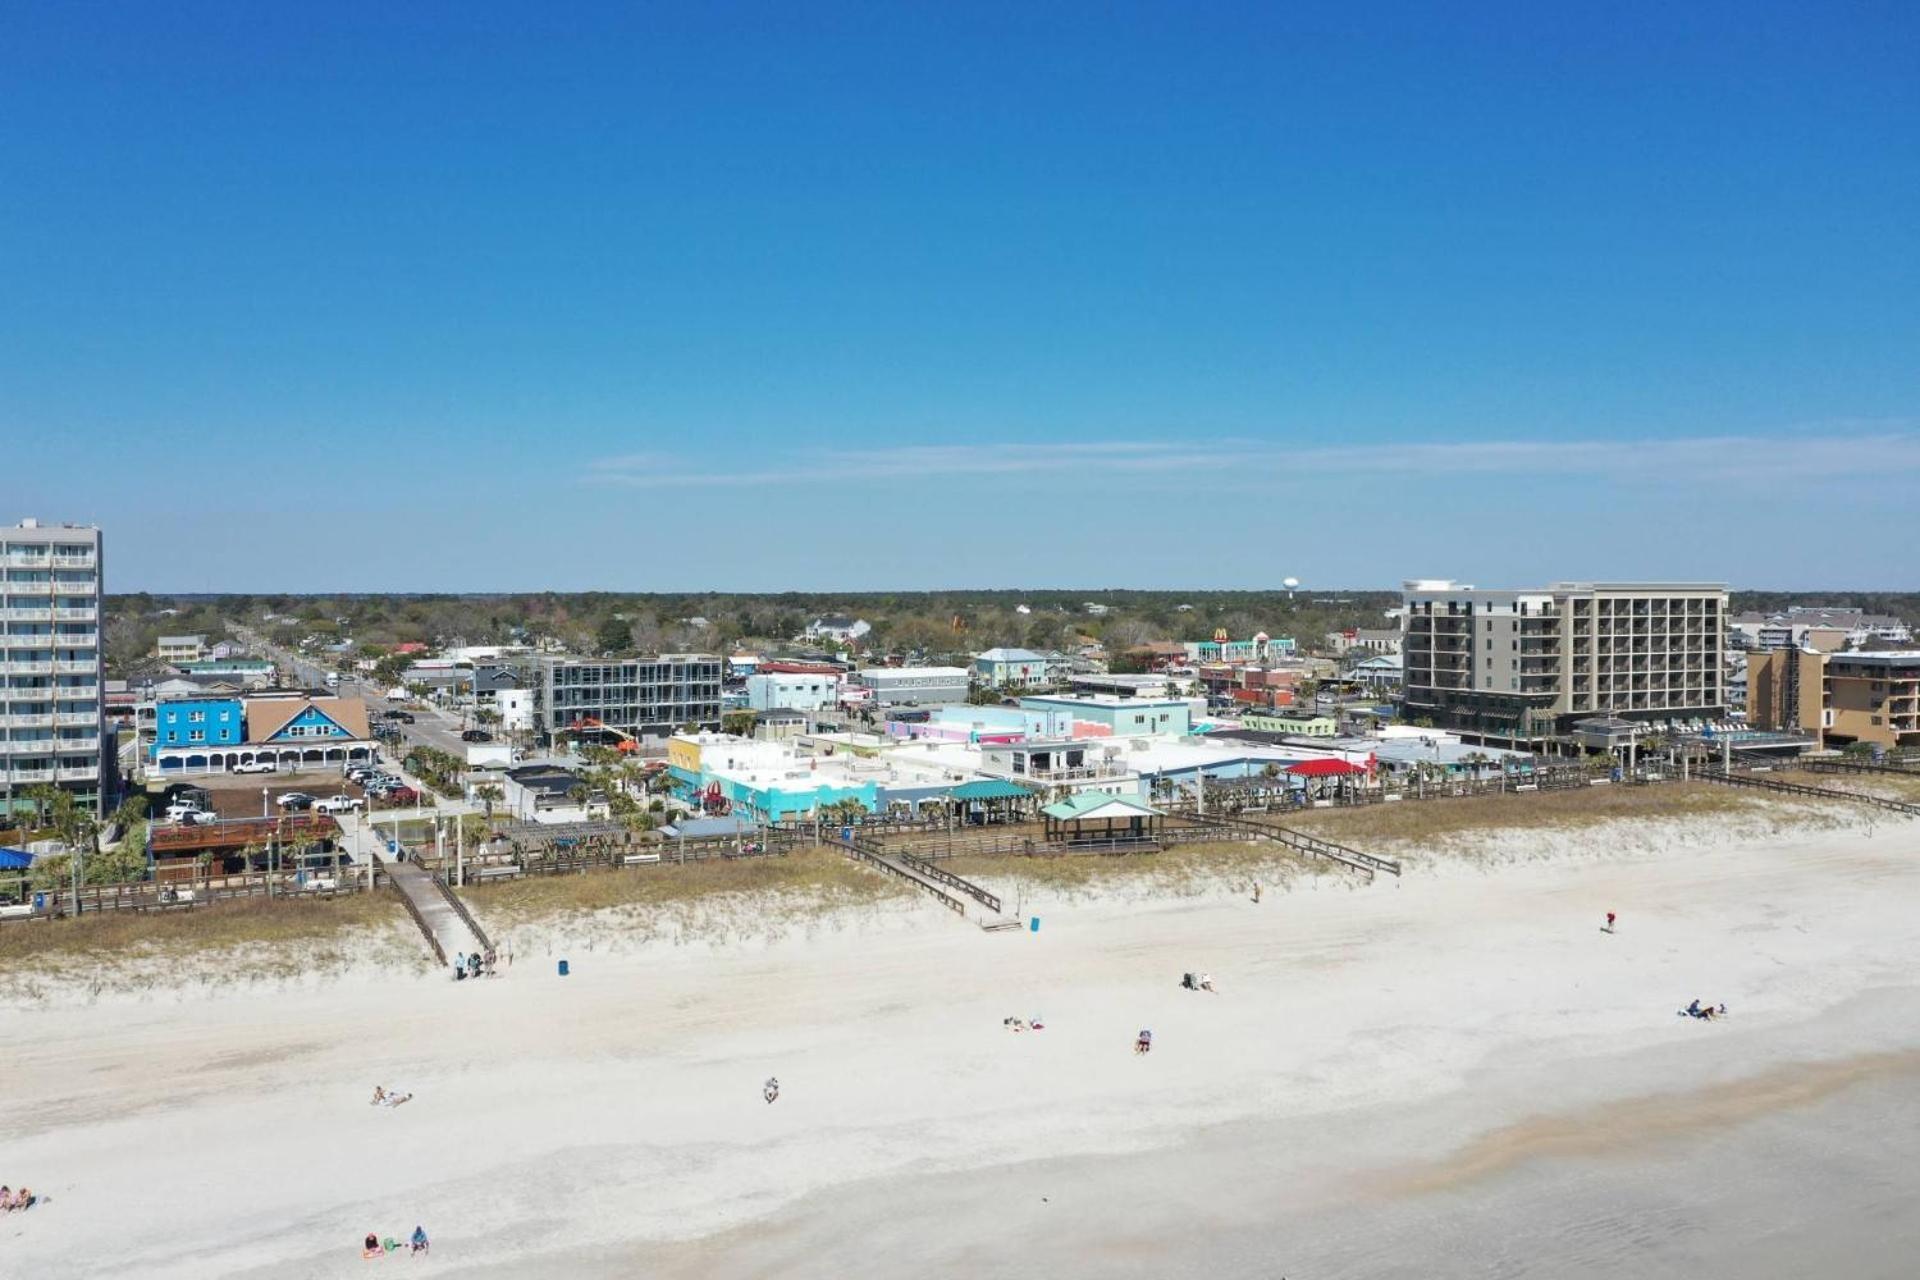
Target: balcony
<point>28,746</point>
<point>26,615</point>
<point>26,668</point>
<point>77,719</point>
<point>79,773</point>
<point>71,615</point>
<point>19,776</point>
<point>76,668</point>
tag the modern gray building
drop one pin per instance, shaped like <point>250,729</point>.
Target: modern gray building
<point>1523,665</point>
<point>640,697</point>
<point>914,686</point>
<point>51,678</point>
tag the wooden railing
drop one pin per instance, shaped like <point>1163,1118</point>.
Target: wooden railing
<point>952,881</point>
<point>871,854</point>
<point>1778,787</point>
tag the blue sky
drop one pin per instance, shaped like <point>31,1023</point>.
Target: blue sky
<point>483,296</point>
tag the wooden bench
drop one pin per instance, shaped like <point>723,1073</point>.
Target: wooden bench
<point>639,859</point>
<point>496,873</point>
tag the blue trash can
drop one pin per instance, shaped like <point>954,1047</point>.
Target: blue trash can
<point>1034,924</point>
<point>563,968</point>
<point>39,902</point>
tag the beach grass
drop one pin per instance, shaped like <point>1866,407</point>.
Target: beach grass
<point>1412,821</point>
<point>237,922</point>
<point>1887,786</point>
<point>231,943</point>
<point>1185,868</point>
<point>814,878</point>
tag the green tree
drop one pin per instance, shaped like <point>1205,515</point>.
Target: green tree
<point>614,635</point>
<point>738,723</point>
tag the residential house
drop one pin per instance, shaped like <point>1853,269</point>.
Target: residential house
<point>177,649</point>
<point>840,627</point>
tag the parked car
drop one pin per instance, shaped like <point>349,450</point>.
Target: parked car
<point>295,800</point>
<point>476,735</point>
<point>338,804</point>
<point>257,766</point>
<point>187,814</point>
<point>400,795</point>
<point>404,717</point>
<point>393,714</point>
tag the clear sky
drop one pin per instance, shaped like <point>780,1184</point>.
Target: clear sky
<point>815,296</point>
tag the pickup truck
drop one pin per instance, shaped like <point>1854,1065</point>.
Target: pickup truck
<point>256,766</point>
<point>338,804</point>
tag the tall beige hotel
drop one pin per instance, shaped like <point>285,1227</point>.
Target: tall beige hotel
<point>1520,666</point>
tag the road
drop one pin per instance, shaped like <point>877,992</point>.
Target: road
<point>432,727</point>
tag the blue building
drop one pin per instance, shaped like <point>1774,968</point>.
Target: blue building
<point>198,722</point>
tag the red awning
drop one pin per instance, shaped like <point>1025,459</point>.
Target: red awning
<point>1324,768</point>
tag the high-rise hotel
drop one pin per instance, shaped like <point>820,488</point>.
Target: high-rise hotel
<point>51,728</point>
<point>1525,665</point>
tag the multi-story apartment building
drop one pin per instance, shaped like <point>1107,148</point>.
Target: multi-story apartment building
<point>50,666</point>
<point>1525,664</point>
<point>640,697</point>
<point>1840,698</point>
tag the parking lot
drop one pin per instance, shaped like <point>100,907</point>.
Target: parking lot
<point>232,797</point>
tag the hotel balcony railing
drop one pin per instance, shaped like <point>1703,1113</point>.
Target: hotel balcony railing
<point>25,667</point>
<point>19,776</point>
<point>77,668</point>
<point>17,614</point>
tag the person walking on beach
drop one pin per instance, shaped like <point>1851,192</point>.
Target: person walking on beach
<point>1609,924</point>
<point>771,1090</point>
<point>1256,893</point>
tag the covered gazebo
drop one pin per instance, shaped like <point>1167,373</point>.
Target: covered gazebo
<point>1326,775</point>
<point>991,800</point>
<point>1094,816</point>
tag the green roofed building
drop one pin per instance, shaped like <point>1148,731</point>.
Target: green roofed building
<point>1092,817</point>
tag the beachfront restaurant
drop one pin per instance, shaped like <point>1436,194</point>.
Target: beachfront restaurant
<point>1094,818</point>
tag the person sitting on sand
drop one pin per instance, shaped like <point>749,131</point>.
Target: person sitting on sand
<point>379,1097</point>
<point>1143,1043</point>
<point>1036,1024</point>
<point>1721,1012</point>
<point>1206,982</point>
<point>372,1246</point>
<point>419,1240</point>
<point>1693,1010</point>
<point>772,1088</point>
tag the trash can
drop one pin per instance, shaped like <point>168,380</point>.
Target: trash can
<point>39,902</point>
<point>1034,924</point>
<point>563,968</point>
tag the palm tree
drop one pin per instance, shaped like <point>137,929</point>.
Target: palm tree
<point>488,794</point>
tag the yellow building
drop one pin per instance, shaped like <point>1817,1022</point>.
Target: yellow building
<point>1841,698</point>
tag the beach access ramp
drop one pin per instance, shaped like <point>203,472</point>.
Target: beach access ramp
<point>949,890</point>
<point>444,920</point>
<point>1301,842</point>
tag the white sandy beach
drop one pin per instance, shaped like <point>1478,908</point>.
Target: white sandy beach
<point>1455,1074</point>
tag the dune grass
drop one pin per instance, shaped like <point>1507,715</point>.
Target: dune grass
<point>1185,868</point>
<point>219,947</point>
<point>234,923</point>
<point>819,876</point>
<point>1411,821</point>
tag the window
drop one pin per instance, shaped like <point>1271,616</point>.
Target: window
<point>196,717</point>
<point>197,735</point>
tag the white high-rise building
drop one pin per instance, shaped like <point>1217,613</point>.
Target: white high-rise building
<point>51,728</point>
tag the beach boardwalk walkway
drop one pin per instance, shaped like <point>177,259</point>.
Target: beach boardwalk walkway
<point>449,927</point>
<point>949,890</point>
